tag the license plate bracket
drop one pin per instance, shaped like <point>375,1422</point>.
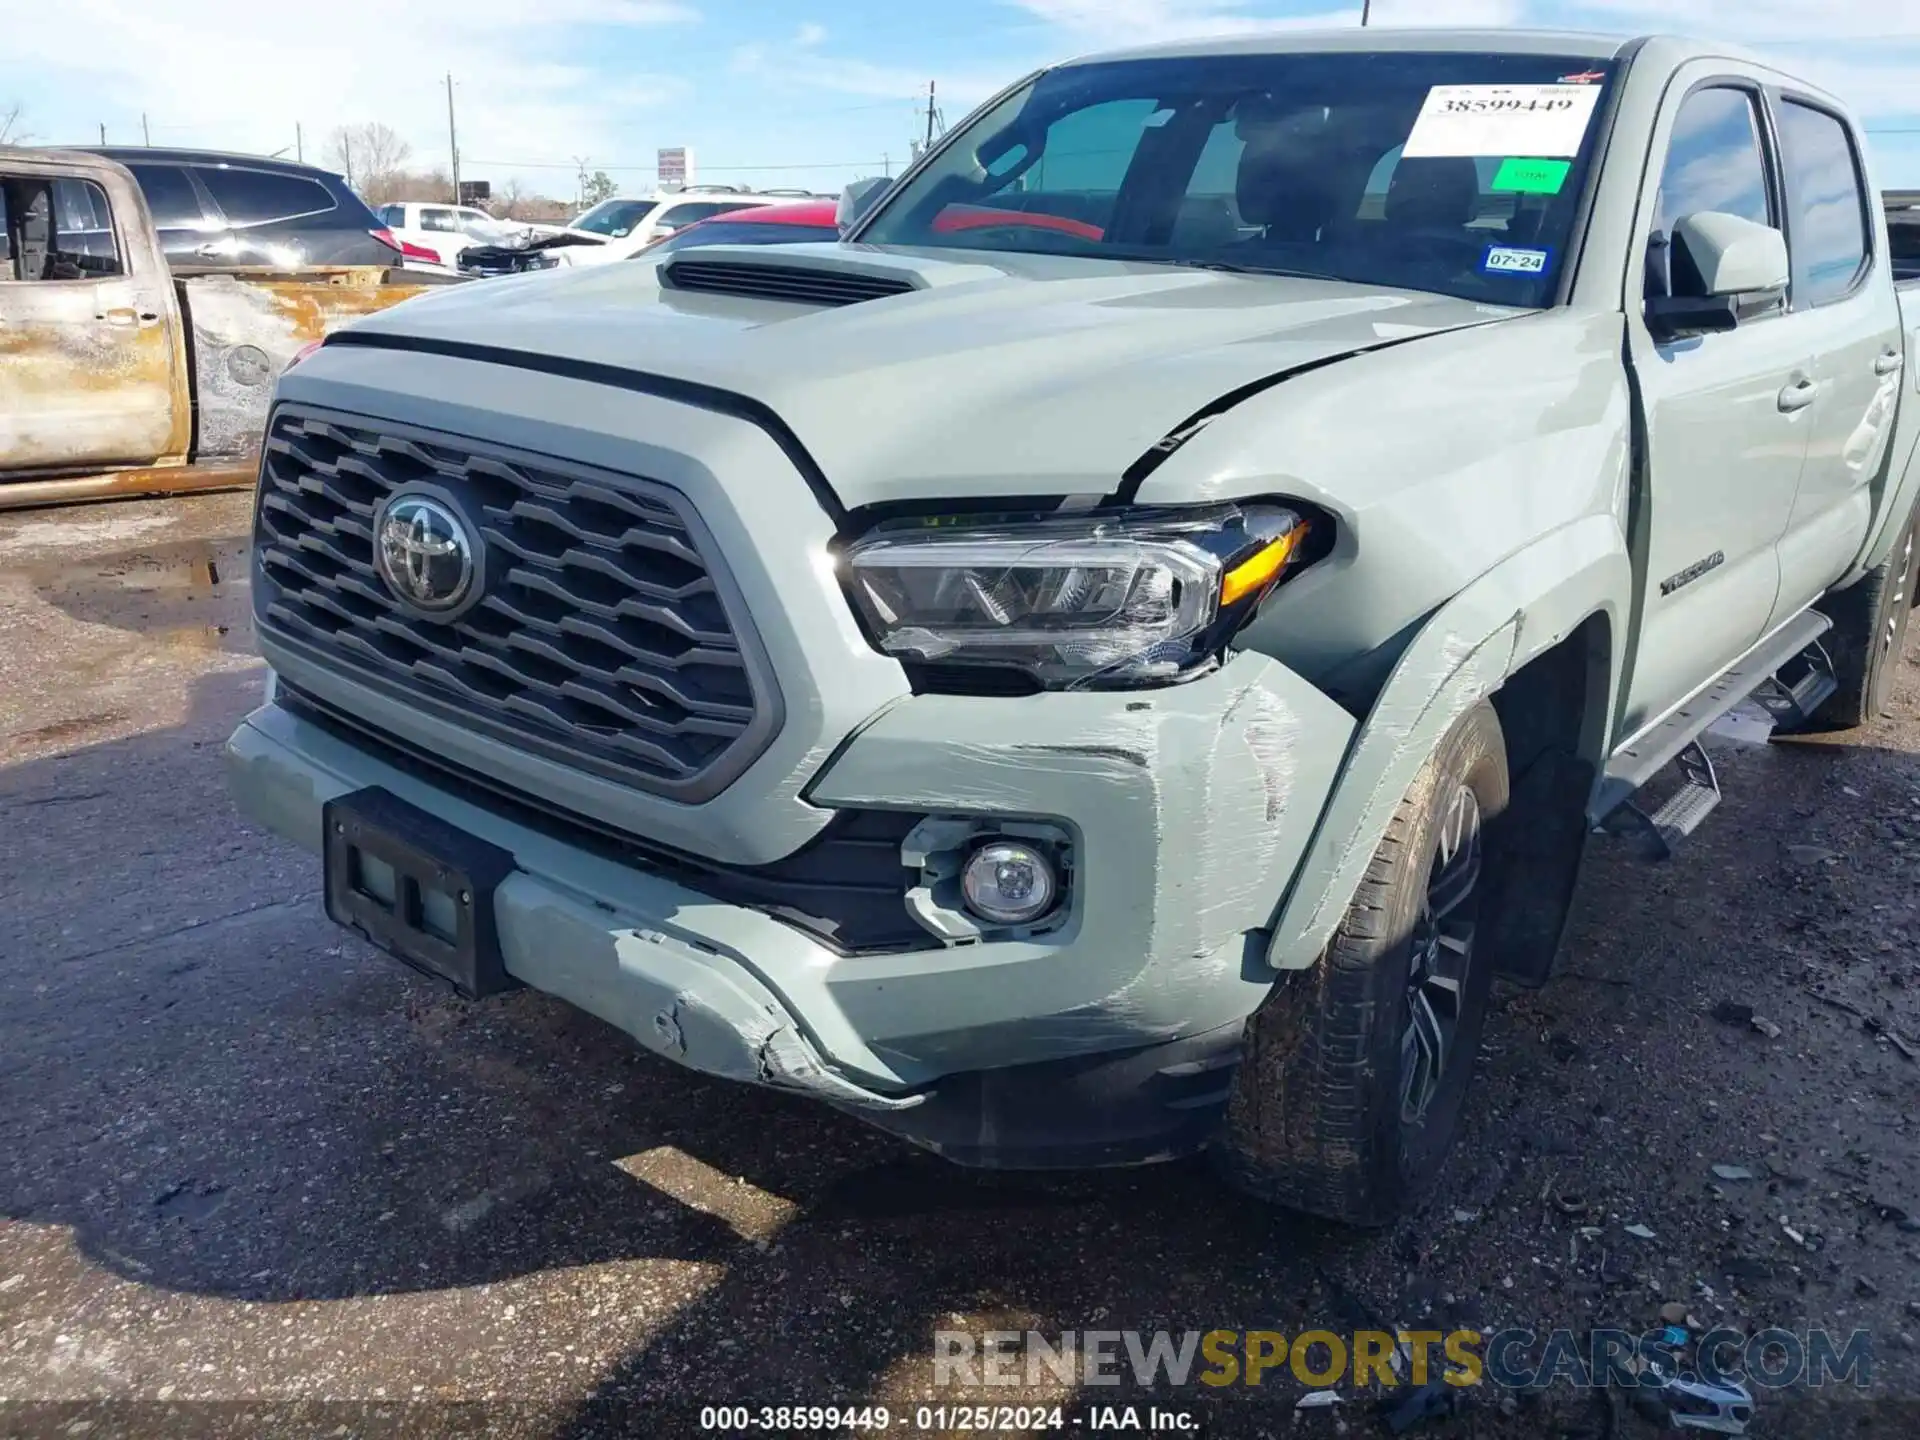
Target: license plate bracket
<point>416,887</point>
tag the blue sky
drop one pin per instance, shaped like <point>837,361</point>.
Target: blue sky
<point>812,92</point>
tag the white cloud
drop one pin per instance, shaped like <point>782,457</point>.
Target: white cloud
<point>213,74</point>
<point>809,35</point>
<point>1757,21</point>
<point>789,68</point>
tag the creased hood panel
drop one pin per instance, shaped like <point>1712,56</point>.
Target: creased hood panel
<point>999,375</point>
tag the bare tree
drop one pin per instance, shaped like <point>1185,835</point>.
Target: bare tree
<point>371,156</point>
<point>432,186</point>
<point>509,201</point>
<point>13,131</point>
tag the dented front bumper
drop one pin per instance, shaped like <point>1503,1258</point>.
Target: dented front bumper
<point>1187,809</point>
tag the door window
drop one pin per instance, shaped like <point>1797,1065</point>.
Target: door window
<point>1827,205</point>
<point>432,218</point>
<point>170,195</point>
<point>1714,162</point>
<point>256,197</point>
<point>59,229</point>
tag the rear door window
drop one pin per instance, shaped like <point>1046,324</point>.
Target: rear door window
<point>83,229</point>
<point>259,197</point>
<point>170,196</point>
<point>434,217</point>
<point>1826,205</point>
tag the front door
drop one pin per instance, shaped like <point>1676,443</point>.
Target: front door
<point>1727,416</point>
<point>86,354</point>
<point>1843,296</point>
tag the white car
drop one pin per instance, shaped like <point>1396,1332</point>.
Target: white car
<point>443,231</point>
<point>627,224</point>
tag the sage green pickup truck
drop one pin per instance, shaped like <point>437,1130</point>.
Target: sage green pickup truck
<point>1112,658</point>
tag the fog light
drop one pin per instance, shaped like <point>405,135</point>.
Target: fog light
<point>1008,883</point>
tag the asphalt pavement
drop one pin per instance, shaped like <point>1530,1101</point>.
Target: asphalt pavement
<point>257,1179</point>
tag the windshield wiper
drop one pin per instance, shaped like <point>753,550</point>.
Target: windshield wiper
<point>1232,267</point>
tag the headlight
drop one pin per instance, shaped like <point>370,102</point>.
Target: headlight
<point>1140,597</point>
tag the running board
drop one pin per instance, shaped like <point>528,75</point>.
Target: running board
<point>1654,748</point>
<point>1679,815</point>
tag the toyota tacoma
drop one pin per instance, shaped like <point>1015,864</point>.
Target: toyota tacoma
<point>1113,656</point>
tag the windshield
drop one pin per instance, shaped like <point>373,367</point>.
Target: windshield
<point>739,232</point>
<point>1451,172</point>
<point>615,217</point>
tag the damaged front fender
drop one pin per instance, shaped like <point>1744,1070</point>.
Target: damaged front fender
<point>1516,611</point>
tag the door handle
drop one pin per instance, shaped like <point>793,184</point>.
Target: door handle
<point>119,315</point>
<point>1887,363</point>
<point>1798,395</point>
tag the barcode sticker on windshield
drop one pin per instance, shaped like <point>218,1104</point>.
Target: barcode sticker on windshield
<point>1538,120</point>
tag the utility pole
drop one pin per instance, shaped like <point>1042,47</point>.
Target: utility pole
<point>1366,11</point>
<point>145,136</point>
<point>299,144</point>
<point>103,132</point>
<point>886,166</point>
<point>930,114</point>
<point>453,140</point>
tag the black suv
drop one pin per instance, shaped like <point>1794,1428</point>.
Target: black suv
<point>214,211</point>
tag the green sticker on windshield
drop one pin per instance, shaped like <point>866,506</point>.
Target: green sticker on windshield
<point>1532,177</point>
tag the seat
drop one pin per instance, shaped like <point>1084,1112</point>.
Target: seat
<point>1433,194</point>
<point>1284,187</point>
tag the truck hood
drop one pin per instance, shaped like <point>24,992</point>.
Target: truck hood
<point>995,375</point>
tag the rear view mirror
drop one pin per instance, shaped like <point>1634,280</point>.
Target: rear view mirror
<point>857,199</point>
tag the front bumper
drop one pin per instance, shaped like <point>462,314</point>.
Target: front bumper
<point>1189,810</point>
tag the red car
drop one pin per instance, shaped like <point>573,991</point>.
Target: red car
<point>814,220</point>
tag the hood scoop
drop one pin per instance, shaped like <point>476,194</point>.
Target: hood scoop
<point>825,285</point>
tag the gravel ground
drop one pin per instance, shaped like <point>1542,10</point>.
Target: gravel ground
<point>256,1179</point>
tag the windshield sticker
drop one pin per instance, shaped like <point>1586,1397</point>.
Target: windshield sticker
<point>1473,120</point>
<point>1531,177</point>
<point>1585,77</point>
<point>1515,260</point>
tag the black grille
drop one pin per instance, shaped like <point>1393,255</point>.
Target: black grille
<point>798,283</point>
<point>602,634</point>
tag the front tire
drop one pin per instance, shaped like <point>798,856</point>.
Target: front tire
<point>1869,635</point>
<point>1355,1072</point>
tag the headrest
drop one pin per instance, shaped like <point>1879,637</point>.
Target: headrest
<point>1284,186</point>
<point>1433,194</point>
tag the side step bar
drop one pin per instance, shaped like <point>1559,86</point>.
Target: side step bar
<point>1791,671</point>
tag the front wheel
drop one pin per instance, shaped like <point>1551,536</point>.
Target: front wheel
<point>1356,1071</point>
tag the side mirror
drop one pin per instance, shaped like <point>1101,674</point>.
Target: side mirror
<point>857,199</point>
<point>1733,260</point>
<point>1734,256</point>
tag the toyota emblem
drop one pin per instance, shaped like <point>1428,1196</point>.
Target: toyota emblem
<point>425,553</point>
